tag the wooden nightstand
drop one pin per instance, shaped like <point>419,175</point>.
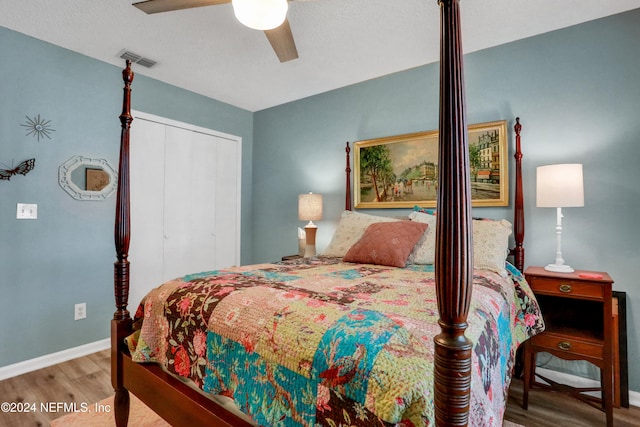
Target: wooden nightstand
<point>577,310</point>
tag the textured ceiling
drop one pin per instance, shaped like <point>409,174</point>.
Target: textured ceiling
<point>340,42</point>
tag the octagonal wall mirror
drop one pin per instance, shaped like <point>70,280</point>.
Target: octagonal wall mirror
<point>86,178</point>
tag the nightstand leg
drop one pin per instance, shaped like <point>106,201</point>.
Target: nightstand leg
<point>528,368</point>
<point>607,392</point>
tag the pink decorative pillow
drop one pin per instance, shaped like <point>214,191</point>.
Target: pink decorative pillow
<point>386,243</point>
<point>351,227</point>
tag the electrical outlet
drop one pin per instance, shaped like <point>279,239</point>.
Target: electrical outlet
<point>80,311</point>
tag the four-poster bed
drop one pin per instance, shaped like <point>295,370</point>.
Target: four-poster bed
<point>181,404</point>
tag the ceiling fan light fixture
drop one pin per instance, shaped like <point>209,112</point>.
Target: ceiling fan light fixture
<point>260,14</point>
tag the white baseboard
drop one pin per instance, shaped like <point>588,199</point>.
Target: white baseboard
<point>576,381</point>
<point>47,360</point>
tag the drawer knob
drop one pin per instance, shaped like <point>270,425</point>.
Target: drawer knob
<point>565,288</point>
<point>564,345</point>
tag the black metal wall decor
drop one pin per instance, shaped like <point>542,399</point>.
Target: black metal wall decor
<point>23,168</point>
<point>38,127</point>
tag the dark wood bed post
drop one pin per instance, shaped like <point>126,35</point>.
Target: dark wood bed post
<point>518,220</point>
<point>347,200</point>
<point>454,241</point>
<point>121,323</point>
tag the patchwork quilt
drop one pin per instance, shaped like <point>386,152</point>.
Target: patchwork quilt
<point>319,342</point>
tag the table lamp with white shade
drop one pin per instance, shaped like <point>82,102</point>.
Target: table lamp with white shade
<point>559,186</point>
<point>310,209</point>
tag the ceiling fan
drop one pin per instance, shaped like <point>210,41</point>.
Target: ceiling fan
<point>280,37</point>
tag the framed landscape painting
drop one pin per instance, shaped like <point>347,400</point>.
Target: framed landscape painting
<point>402,171</point>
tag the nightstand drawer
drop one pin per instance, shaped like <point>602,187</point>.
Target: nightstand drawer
<point>564,344</point>
<point>566,288</point>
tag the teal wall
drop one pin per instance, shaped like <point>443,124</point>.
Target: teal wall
<point>66,256</point>
<point>578,94</point>
<point>576,91</point>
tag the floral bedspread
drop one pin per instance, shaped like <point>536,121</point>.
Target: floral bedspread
<point>324,343</point>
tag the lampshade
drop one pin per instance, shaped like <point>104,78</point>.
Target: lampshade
<point>310,207</point>
<point>559,186</point>
<point>260,14</point>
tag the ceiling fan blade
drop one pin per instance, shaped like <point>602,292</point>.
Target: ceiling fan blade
<point>281,40</point>
<point>157,6</point>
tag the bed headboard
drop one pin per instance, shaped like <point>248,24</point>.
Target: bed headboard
<point>517,252</point>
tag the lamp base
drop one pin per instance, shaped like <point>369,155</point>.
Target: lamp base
<point>310,251</point>
<point>310,232</point>
<point>559,268</point>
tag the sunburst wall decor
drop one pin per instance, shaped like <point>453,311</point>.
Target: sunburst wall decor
<point>38,127</point>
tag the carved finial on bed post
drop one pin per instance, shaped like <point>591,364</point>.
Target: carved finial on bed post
<point>454,254</point>
<point>518,226</point>
<point>347,200</point>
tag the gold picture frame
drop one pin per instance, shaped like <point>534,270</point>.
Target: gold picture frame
<point>402,171</point>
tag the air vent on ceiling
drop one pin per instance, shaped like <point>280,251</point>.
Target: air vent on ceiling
<point>146,62</point>
<point>138,59</point>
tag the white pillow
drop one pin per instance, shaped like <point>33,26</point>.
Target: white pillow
<point>490,243</point>
<point>350,229</point>
<point>425,250</point>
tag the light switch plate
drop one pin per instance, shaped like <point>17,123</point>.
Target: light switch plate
<point>27,211</point>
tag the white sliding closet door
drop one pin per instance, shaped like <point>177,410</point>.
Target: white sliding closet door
<point>190,177</point>
<point>185,202</point>
<point>228,219</point>
<point>146,250</point>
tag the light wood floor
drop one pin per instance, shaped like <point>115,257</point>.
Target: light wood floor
<point>84,380</point>
<point>551,409</point>
<point>87,380</point>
